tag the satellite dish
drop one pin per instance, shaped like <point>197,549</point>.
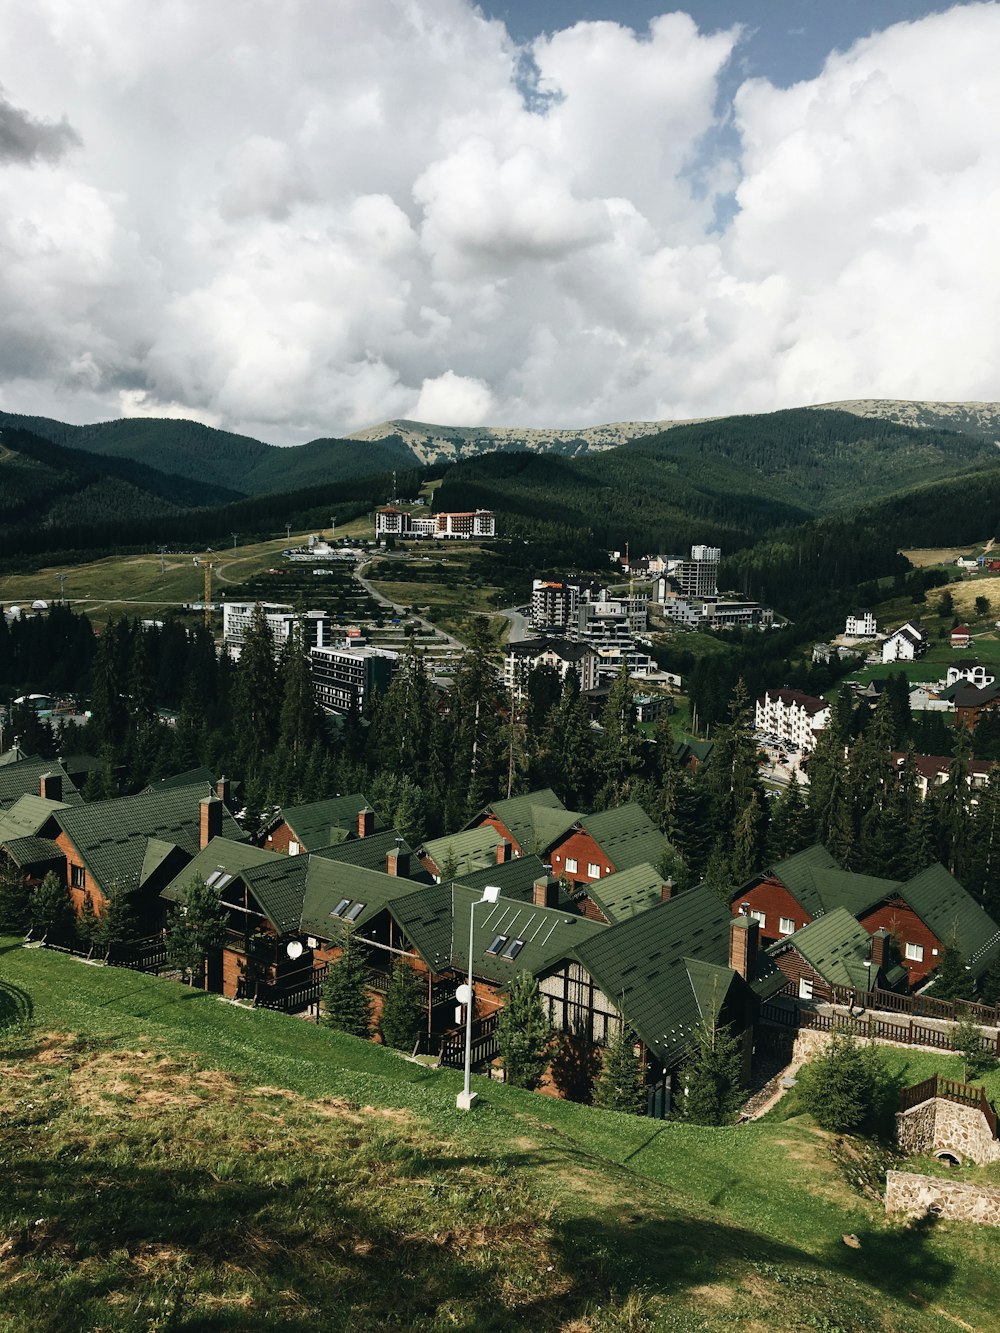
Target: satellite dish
<point>294,949</point>
<point>463,995</point>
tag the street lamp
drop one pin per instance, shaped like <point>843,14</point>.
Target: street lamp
<point>464,995</point>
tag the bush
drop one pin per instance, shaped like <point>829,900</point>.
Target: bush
<point>523,1033</point>
<point>402,1009</point>
<point>842,1089</point>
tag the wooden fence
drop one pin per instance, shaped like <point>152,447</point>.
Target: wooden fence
<point>950,1090</point>
<point>920,1006</point>
<point>881,1029</point>
<point>146,955</point>
<point>293,999</point>
<point>484,1043</point>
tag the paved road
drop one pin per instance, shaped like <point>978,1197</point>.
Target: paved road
<point>518,624</point>
<point>398,610</point>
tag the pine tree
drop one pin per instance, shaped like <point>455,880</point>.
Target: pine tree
<point>568,742</point>
<point>986,844</point>
<point>49,908</point>
<point>620,1085</point>
<point>951,980</point>
<point>300,721</point>
<point>828,796</point>
<point>255,703</point>
<point>712,1075</point>
<point>747,840</point>
<point>790,829</point>
<point>955,808</point>
<point>15,897</point>
<point>842,1086</point>
<point>967,1041</point>
<point>196,927</point>
<point>346,1003</point>
<point>619,754</point>
<point>524,1034</point>
<point>117,922</point>
<point>86,925</point>
<point>475,722</point>
<point>108,701</point>
<point>403,1009</point>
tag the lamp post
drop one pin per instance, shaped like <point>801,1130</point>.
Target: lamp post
<point>467,1097</point>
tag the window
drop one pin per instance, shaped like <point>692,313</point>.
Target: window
<point>805,988</point>
<point>339,909</point>
<point>293,849</point>
<point>354,912</point>
<point>593,870</point>
<point>497,944</point>
<point>513,949</point>
<point>914,953</point>
<point>571,865</point>
<point>759,917</point>
<point>76,877</point>
<point>786,926</point>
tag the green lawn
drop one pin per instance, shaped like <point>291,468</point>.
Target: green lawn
<point>553,1215</point>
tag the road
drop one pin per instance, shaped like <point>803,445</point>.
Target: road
<point>399,610</point>
<point>518,624</point>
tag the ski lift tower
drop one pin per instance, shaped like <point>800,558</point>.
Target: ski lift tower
<point>207,567</point>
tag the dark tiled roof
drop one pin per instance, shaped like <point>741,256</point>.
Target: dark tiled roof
<point>279,888</point>
<point>795,872</point>
<point>318,824</point>
<point>626,835</point>
<point>515,879</point>
<point>31,851</point>
<point>858,893</point>
<point>954,916</point>
<point>518,814</point>
<point>835,946</point>
<point>371,853</point>
<point>472,849</point>
<point>425,920</point>
<point>628,892</point>
<point>24,779</point>
<point>328,882</point>
<point>549,935</point>
<point>27,816</point>
<point>111,836</point>
<point>275,881</point>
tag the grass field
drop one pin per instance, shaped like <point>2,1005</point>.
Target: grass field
<point>133,584</point>
<point>172,1161</point>
<point>439,580</point>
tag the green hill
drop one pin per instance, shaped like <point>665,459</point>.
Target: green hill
<point>173,1161</point>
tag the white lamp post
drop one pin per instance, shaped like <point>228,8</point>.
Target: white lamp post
<point>464,995</point>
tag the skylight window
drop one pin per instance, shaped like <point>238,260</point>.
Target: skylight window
<point>498,942</point>
<point>354,912</point>
<point>513,949</point>
<point>213,878</point>
<point>226,879</point>
<point>339,909</point>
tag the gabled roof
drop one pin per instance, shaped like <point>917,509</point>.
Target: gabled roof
<point>857,893</point>
<point>835,946</point>
<point>279,887</point>
<point>519,815</point>
<point>642,966</point>
<point>626,835</point>
<point>324,823</point>
<point>472,849</point>
<point>954,916</point>
<point>31,851</point>
<point>795,872</point>
<point>425,920</point>
<point>111,836</point>
<point>27,816</point>
<point>515,878</point>
<point>190,778</point>
<point>275,881</point>
<point>548,935</point>
<point>14,756</point>
<point>24,778</point>
<point>371,853</point>
<point>628,892</point>
<point>328,883</point>
<point>223,854</point>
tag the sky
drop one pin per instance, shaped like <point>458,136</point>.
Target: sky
<point>299,218</point>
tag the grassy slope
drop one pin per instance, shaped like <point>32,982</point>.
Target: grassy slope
<point>601,1222</point>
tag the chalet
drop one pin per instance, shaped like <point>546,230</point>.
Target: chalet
<point>20,828</point>
<point>530,823</point>
<point>960,636</point>
<point>624,894</point>
<point>834,951</point>
<point>794,717</point>
<point>904,644</point>
<point>595,846</point>
<point>456,854</point>
<point>933,770</point>
<point>308,828</point>
<point>37,777</point>
<point>971,701</point>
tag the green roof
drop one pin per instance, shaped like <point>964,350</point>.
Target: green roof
<point>31,851</point>
<point>371,852</point>
<point>515,879</point>
<point>626,835</point>
<point>328,883</point>
<point>954,916</point>
<point>191,778</point>
<point>644,967</point>
<point>425,920</point>
<point>472,849</point>
<point>27,816</point>
<point>324,823</point>
<point>524,817</point>
<point>223,854</point>
<point>796,873</point>
<point>835,946</point>
<point>111,836</point>
<point>858,893</point>
<point>548,935</point>
<point>628,892</point>
<point>24,779</point>
<point>276,881</point>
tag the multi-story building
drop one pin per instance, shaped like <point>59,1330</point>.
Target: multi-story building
<point>861,624</point>
<point>317,627</point>
<point>698,577</point>
<point>562,654</point>
<point>605,620</point>
<point>792,716</point>
<point>555,603</point>
<point>346,678</point>
<point>715,613</point>
<point>478,524</point>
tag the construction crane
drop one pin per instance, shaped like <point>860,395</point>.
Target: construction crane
<point>207,566</point>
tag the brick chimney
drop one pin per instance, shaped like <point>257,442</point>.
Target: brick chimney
<point>50,786</point>
<point>224,791</point>
<point>545,891</point>
<point>209,820</point>
<point>743,933</point>
<point>366,823</point>
<point>397,862</point>
<point>504,850</point>
<point>666,890</point>
<point>880,953</point>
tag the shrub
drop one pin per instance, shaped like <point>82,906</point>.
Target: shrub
<point>842,1087</point>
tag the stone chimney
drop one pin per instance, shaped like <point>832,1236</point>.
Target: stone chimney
<point>210,820</point>
<point>366,823</point>
<point>50,786</point>
<point>504,850</point>
<point>743,933</point>
<point>666,890</point>
<point>880,953</point>
<point>397,862</point>
<point>224,791</point>
<point>545,891</point>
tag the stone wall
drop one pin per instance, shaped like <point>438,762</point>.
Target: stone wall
<point>950,1200</point>
<point>938,1125</point>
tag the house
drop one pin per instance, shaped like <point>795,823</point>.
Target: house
<point>563,655</point>
<point>319,824</point>
<point>794,717</point>
<point>459,853</point>
<point>960,636</point>
<point>530,823</point>
<point>37,777</point>
<point>904,644</point>
<point>969,702</point>
<point>624,894</point>
<point>971,672</point>
<point>32,855</point>
<point>595,846</point>
<point>933,770</point>
<point>967,562</point>
<point>861,624</point>
<point>834,951</point>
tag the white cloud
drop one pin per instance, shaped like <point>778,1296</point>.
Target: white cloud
<point>298,220</point>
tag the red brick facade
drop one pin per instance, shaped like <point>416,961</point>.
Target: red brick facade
<point>580,848</point>
<point>906,927</point>
<point>772,899</point>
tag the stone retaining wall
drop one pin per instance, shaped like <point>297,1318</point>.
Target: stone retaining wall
<point>938,1125</point>
<point>951,1200</point>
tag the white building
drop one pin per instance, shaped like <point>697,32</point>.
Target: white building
<point>972,672</point>
<point>317,628</point>
<point>861,625</point>
<point>562,654</point>
<point>792,716</point>
<point>474,525</point>
<point>904,644</point>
